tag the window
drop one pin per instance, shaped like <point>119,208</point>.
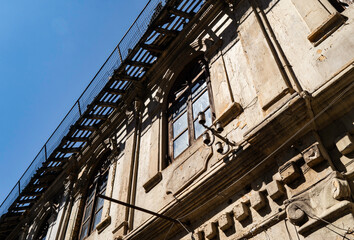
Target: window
<point>43,230</point>
<point>189,95</point>
<point>94,205</point>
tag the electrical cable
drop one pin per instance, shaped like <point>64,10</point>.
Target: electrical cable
<point>183,226</point>
<point>169,231</point>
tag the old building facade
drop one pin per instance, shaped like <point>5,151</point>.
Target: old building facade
<point>271,80</point>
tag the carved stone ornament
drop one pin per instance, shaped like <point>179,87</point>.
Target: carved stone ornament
<point>327,201</point>
<point>313,156</point>
<point>207,45</point>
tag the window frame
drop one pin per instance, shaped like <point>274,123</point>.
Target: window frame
<point>95,184</point>
<point>187,90</point>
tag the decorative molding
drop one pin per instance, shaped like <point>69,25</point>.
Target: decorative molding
<point>210,230</point>
<point>120,230</point>
<point>189,169</point>
<point>275,190</point>
<point>257,200</point>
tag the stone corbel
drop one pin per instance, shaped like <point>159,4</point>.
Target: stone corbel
<point>327,201</point>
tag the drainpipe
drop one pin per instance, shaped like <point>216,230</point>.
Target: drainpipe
<point>133,176</point>
<point>279,56</point>
<point>288,73</point>
<point>138,117</point>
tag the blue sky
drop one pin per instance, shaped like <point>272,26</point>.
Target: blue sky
<point>49,52</point>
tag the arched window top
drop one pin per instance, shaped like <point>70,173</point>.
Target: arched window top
<point>189,95</point>
<point>186,77</point>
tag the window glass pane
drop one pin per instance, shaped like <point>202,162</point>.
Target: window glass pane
<point>103,181</point>
<point>199,129</point>
<point>200,104</point>
<point>180,124</point>
<point>88,211</point>
<point>100,201</point>
<point>90,194</point>
<point>198,87</point>
<point>178,106</point>
<point>97,219</point>
<point>84,230</point>
<point>180,144</point>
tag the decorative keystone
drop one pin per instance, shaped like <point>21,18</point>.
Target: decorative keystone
<point>257,200</point>
<point>225,221</point>
<point>345,144</point>
<point>275,189</point>
<point>289,172</point>
<point>210,230</point>
<point>241,211</point>
<point>313,156</point>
